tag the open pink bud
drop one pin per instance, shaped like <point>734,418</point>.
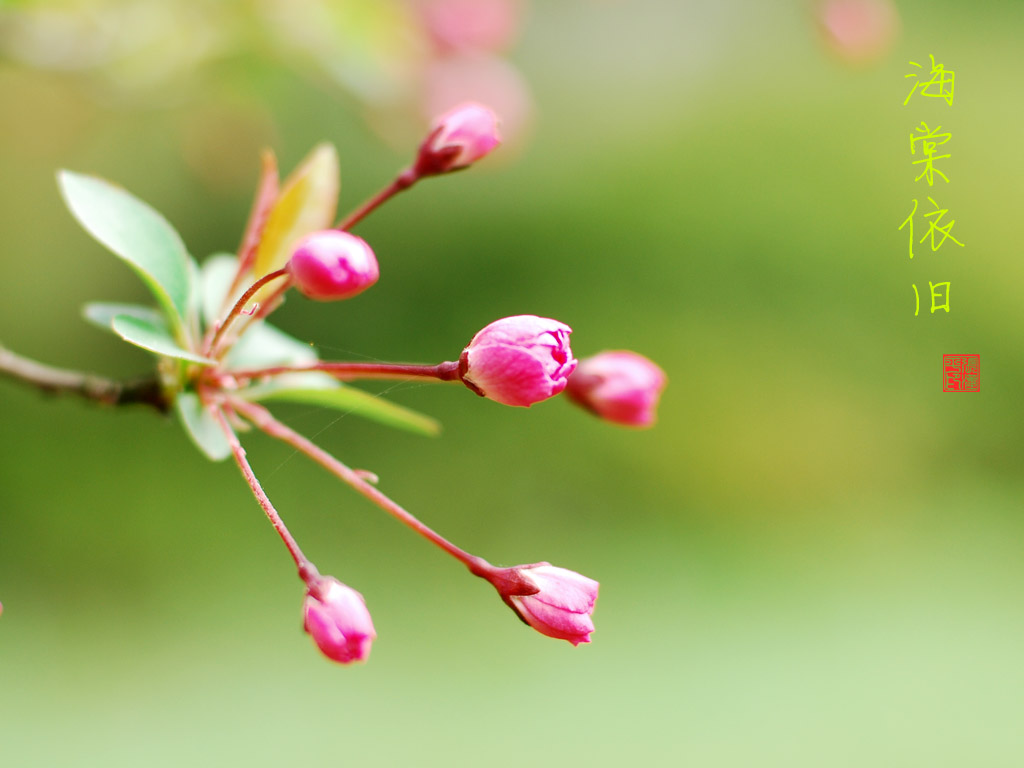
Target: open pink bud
<point>621,386</point>
<point>330,265</point>
<point>336,618</point>
<point>458,139</point>
<point>555,601</point>
<point>518,360</point>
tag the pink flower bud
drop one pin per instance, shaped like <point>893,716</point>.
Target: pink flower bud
<point>330,265</point>
<point>458,139</point>
<point>518,360</point>
<point>860,31</point>
<point>622,387</point>
<point>555,601</point>
<point>474,25</point>
<point>337,619</point>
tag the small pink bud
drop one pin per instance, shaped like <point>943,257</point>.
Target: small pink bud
<point>458,139</point>
<point>555,601</point>
<point>330,265</point>
<point>622,387</point>
<point>518,360</point>
<point>860,31</point>
<point>336,618</point>
<point>474,25</point>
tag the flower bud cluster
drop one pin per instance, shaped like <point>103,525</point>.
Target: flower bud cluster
<point>517,361</point>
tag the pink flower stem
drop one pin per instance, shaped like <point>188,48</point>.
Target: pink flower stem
<point>263,420</point>
<point>307,571</point>
<point>352,371</point>
<point>403,181</point>
<point>271,303</point>
<point>211,345</point>
<point>258,312</point>
<point>262,204</point>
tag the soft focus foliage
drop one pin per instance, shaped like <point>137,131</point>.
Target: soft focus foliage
<point>812,560</point>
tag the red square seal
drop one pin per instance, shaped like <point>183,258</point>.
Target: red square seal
<point>961,373</point>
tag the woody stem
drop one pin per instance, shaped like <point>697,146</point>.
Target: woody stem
<point>51,380</point>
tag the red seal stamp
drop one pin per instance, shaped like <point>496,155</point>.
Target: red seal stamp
<point>961,373</point>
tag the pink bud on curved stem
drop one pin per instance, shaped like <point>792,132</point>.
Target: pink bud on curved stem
<point>459,138</point>
<point>555,601</point>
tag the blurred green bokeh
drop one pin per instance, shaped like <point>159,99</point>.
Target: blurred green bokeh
<point>813,560</point>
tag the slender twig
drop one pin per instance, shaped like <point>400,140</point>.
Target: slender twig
<point>404,180</point>
<point>352,371</point>
<point>262,204</point>
<point>210,347</point>
<point>267,306</point>
<point>307,571</point>
<point>60,381</point>
<point>262,418</point>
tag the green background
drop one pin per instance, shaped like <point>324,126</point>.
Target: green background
<point>813,560</point>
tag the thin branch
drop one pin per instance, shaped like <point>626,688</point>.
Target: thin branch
<point>218,331</point>
<point>307,571</point>
<point>352,371</point>
<point>403,181</point>
<point>60,381</point>
<point>263,420</point>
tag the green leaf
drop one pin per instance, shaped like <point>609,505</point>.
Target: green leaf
<point>139,235</point>
<point>342,398</point>
<point>102,314</point>
<point>263,346</point>
<point>202,427</point>
<point>154,337</point>
<point>216,275</point>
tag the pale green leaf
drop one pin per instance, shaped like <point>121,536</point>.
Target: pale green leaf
<point>202,427</point>
<point>263,346</point>
<point>215,279</point>
<point>154,337</point>
<point>139,235</point>
<point>102,314</point>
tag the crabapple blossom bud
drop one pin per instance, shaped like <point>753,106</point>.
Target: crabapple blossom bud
<point>860,31</point>
<point>459,138</point>
<point>336,618</point>
<point>621,386</point>
<point>518,360</point>
<point>330,265</point>
<point>555,601</point>
<point>472,25</point>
